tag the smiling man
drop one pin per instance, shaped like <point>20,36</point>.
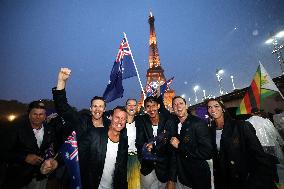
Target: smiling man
<point>26,150</point>
<point>103,154</point>
<point>155,173</point>
<point>81,123</point>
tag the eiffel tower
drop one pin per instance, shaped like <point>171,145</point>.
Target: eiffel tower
<point>155,72</point>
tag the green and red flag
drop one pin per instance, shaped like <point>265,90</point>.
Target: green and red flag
<point>261,87</point>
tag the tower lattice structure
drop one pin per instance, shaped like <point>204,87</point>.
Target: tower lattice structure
<point>155,72</point>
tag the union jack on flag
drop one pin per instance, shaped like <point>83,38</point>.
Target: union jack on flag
<point>124,60</point>
<point>73,142</point>
<point>123,68</point>
<point>151,88</point>
<point>69,153</point>
<point>123,50</point>
<point>166,86</point>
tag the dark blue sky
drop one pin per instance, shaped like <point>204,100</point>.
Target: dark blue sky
<point>194,38</point>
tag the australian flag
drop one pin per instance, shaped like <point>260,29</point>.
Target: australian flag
<point>49,152</point>
<point>124,58</point>
<point>152,91</point>
<point>149,90</point>
<point>158,142</point>
<point>69,153</point>
<point>123,68</point>
<point>114,88</point>
<point>166,86</point>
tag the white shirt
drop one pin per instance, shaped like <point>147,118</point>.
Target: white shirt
<point>109,166</point>
<point>218,138</point>
<point>39,135</point>
<point>131,134</point>
<point>155,130</point>
<point>179,127</point>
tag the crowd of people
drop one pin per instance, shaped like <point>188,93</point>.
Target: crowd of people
<point>155,149</point>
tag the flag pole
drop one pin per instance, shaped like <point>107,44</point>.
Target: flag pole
<point>135,66</point>
<point>259,86</point>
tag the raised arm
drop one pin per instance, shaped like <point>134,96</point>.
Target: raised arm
<point>59,95</point>
<point>63,76</point>
<point>62,107</point>
<point>162,109</point>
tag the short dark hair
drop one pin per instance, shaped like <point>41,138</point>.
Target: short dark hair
<point>121,108</point>
<point>150,99</point>
<point>98,98</point>
<point>176,98</point>
<point>129,100</point>
<point>36,104</point>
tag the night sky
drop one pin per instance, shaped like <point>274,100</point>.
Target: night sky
<point>38,37</point>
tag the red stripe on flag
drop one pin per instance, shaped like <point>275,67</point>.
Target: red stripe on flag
<point>256,93</point>
<point>247,102</point>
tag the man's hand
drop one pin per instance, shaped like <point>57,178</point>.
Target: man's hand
<point>33,159</point>
<point>158,93</point>
<point>63,75</point>
<point>48,166</point>
<point>174,142</point>
<point>170,185</point>
<point>149,147</point>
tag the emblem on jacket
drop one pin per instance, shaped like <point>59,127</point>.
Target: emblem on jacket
<point>236,141</point>
<point>186,139</point>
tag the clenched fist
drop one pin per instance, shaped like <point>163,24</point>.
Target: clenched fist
<point>63,75</point>
<point>33,159</point>
<point>48,166</point>
<point>174,142</point>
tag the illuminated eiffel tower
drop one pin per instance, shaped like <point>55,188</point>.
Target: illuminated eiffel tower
<point>155,72</point>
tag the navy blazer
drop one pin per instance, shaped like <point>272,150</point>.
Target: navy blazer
<point>21,143</point>
<point>193,150</point>
<point>92,154</point>
<point>144,133</point>
<point>241,161</point>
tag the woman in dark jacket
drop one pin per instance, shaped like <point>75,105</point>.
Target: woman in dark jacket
<point>239,160</point>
